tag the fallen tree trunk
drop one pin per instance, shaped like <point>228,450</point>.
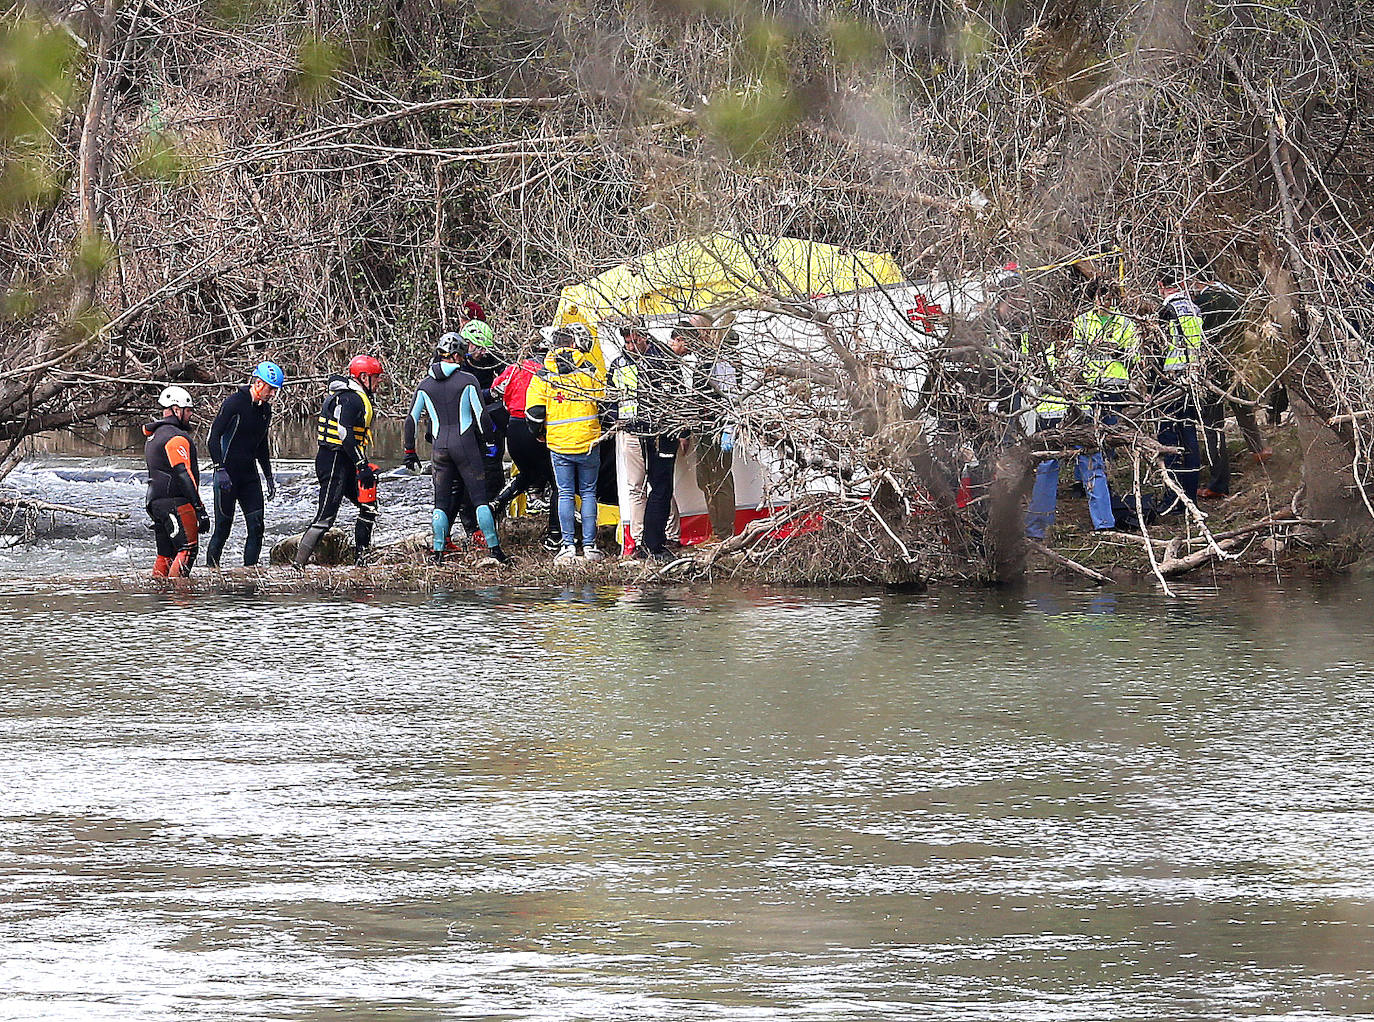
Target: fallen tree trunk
<point>44,506</point>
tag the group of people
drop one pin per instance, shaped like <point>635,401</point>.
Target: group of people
<point>1099,373</point>
<point>562,416</point>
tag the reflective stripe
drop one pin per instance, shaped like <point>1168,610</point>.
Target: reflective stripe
<point>1104,345</point>
<point>625,379</point>
<point>328,429</point>
<point>1184,330</point>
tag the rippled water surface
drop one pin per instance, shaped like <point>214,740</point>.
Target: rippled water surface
<point>608,804</point>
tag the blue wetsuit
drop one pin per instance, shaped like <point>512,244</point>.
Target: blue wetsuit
<point>452,400</point>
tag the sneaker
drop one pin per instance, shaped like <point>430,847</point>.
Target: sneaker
<point>498,555</point>
<point>592,554</point>
<point>553,543</point>
<point>479,539</point>
<point>567,553</point>
<point>1207,493</point>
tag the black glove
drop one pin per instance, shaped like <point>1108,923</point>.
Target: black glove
<point>222,481</point>
<point>271,488</point>
<point>202,520</point>
<point>412,463</point>
<point>366,477</point>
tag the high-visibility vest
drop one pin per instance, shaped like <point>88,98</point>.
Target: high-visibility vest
<point>1107,345</point>
<point>1050,404</point>
<point>328,429</point>
<point>1182,333</point>
<point>625,382</point>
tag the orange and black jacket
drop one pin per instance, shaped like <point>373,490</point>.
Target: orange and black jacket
<point>173,469</point>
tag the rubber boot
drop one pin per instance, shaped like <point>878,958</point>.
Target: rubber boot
<point>309,540</point>
<point>503,500</point>
<point>500,555</point>
<point>161,566</point>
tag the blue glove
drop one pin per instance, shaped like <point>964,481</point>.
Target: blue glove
<point>222,482</point>
<point>727,440</point>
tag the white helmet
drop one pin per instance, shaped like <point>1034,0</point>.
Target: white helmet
<point>175,397</point>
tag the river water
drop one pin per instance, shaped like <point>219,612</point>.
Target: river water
<point>608,803</point>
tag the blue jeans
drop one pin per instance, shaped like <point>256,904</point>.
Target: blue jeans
<point>1045,496</point>
<point>576,476</point>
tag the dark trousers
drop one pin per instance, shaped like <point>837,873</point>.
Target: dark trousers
<point>338,477</point>
<point>1179,429</point>
<point>494,476</point>
<point>1214,439</point>
<point>241,487</point>
<point>660,460</point>
<point>531,457</point>
<point>460,472</point>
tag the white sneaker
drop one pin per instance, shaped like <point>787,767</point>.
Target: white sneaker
<point>591,554</point>
<point>568,553</point>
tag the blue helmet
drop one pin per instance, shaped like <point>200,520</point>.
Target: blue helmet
<point>270,373</point>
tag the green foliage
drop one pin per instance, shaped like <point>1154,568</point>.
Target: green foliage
<point>319,59</point>
<point>970,42</point>
<point>854,43</point>
<point>93,252</point>
<point>18,303</point>
<point>749,123</point>
<point>161,156</point>
<point>35,80</point>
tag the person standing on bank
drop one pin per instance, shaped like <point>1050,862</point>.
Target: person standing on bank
<point>173,495</point>
<point>1223,328</point>
<point>1181,324</point>
<point>463,438</point>
<point>527,451</point>
<point>715,381</point>
<point>633,438</point>
<point>480,359</point>
<point>238,448</point>
<point>344,433</point>
<point>564,402</point>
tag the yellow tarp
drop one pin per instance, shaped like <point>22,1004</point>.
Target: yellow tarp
<point>703,272</point>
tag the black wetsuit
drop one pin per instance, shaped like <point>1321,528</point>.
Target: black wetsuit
<point>452,401</point>
<point>485,369</point>
<point>173,495</point>
<point>344,433</point>
<point>238,445</point>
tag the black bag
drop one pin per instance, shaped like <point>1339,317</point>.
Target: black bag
<point>1128,516</point>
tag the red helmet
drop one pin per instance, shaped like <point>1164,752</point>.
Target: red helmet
<point>361,364</point>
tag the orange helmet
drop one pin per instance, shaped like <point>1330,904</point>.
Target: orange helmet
<point>364,364</point>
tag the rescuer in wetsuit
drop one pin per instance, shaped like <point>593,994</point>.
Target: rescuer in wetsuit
<point>477,351</point>
<point>173,496</point>
<point>463,439</point>
<point>238,445</point>
<point>344,433</point>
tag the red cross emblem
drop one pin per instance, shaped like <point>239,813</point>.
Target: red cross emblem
<point>923,313</point>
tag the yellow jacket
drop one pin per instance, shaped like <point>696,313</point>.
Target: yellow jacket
<point>572,415</point>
